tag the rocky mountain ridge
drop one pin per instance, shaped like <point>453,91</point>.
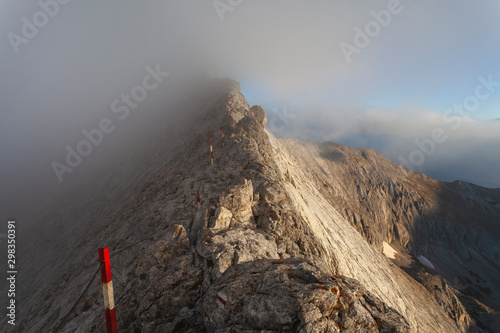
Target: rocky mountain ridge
<point>289,237</point>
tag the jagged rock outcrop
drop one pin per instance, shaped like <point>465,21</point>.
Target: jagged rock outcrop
<point>258,113</point>
<point>447,299</point>
<point>288,237</point>
<point>293,295</point>
<point>239,202</point>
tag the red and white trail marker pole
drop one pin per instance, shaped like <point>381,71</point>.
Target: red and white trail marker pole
<point>198,198</point>
<point>211,152</point>
<point>222,129</point>
<point>107,290</point>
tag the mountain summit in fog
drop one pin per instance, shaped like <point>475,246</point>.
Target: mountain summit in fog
<point>290,236</point>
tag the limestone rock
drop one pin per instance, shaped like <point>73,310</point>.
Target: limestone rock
<point>222,218</point>
<point>239,201</point>
<point>259,114</point>
<point>293,295</point>
<point>234,246</point>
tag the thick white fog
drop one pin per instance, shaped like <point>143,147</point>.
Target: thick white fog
<point>377,74</point>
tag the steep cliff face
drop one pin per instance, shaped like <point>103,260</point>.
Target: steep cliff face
<point>289,236</point>
<point>448,229</point>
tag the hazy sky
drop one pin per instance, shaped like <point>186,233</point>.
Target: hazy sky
<point>374,74</point>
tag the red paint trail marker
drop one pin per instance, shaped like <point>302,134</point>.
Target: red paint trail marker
<point>211,153</point>
<point>107,290</point>
<point>221,300</point>
<point>198,198</point>
<point>222,129</point>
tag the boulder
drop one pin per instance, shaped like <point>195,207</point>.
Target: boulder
<point>258,114</point>
<point>222,218</point>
